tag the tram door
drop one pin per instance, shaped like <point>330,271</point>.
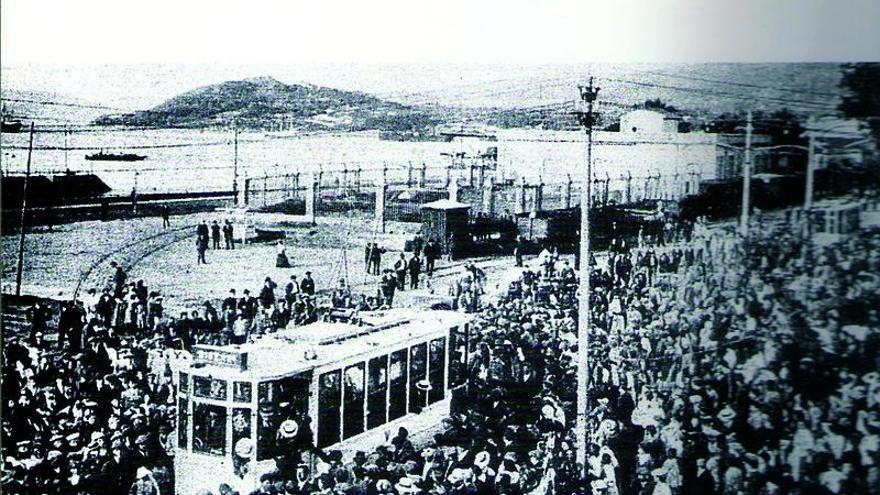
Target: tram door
<point>278,400</point>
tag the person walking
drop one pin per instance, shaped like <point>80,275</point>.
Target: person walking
<point>307,285</point>
<point>432,252</point>
<point>415,268</point>
<point>202,247</point>
<point>166,222</point>
<point>228,234</point>
<point>376,259</point>
<point>400,267</point>
<point>387,285</point>
<point>215,235</point>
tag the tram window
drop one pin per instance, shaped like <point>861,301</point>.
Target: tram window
<point>209,429</point>
<point>437,370</point>
<point>353,419</point>
<point>417,370</point>
<point>241,424</point>
<point>329,402</point>
<point>241,391</point>
<point>209,388</point>
<point>457,357</point>
<point>377,386</point>
<point>397,384</point>
<point>184,382</point>
<point>182,423</point>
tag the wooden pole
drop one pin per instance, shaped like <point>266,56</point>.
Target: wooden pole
<point>27,176</point>
<point>747,179</point>
<point>588,95</point>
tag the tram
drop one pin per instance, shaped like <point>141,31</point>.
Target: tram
<point>352,383</point>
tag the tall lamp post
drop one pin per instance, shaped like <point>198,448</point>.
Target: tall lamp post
<point>586,118</point>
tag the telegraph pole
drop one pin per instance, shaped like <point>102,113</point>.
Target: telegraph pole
<point>811,165</point>
<point>588,95</point>
<point>747,179</point>
<point>27,176</point>
<point>235,167</point>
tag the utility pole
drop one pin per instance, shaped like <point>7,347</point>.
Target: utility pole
<point>588,95</point>
<point>24,191</point>
<point>811,165</point>
<point>747,179</point>
<point>235,166</point>
<point>134,194</point>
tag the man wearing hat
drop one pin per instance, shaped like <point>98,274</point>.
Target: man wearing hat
<point>307,285</point>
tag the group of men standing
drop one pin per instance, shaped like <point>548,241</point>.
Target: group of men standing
<point>395,278</point>
<point>206,234</point>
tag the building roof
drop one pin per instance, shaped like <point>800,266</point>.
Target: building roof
<point>445,204</point>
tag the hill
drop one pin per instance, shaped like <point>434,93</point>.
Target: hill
<point>266,103</point>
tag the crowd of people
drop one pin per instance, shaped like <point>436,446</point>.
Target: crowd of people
<point>731,366</point>
<point>720,365</point>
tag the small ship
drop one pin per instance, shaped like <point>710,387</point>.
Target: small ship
<point>115,157</point>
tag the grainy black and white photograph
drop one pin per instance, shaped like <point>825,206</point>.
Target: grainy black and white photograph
<point>442,248</point>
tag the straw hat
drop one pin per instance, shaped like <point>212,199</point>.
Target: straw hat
<point>244,448</point>
<point>406,485</point>
<point>288,428</point>
<point>481,460</point>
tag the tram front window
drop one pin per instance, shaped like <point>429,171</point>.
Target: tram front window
<point>209,429</point>
<point>353,401</point>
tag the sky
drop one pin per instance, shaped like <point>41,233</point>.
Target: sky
<point>137,53</point>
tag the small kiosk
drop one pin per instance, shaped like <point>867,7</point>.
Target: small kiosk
<point>446,221</point>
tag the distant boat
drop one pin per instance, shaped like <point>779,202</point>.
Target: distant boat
<point>11,126</point>
<point>115,157</point>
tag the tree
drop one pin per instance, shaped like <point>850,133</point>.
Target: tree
<point>861,100</point>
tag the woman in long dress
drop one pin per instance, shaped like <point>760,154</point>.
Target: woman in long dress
<point>281,260</point>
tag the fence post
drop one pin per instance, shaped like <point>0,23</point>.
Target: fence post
<point>538,202</point>
<point>357,179</point>
<point>409,174</point>
<point>247,191</point>
<point>381,189</point>
<point>423,175</point>
<point>567,192</point>
<point>345,177</point>
<point>265,187</point>
<point>520,197</point>
<point>605,192</point>
<point>448,175</point>
<point>489,197</point>
<point>452,188</point>
<point>311,199</point>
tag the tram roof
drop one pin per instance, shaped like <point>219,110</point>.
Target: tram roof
<point>284,353</point>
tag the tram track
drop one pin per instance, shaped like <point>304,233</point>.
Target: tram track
<point>130,254</point>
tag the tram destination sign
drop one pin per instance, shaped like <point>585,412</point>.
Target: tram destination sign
<point>220,356</point>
